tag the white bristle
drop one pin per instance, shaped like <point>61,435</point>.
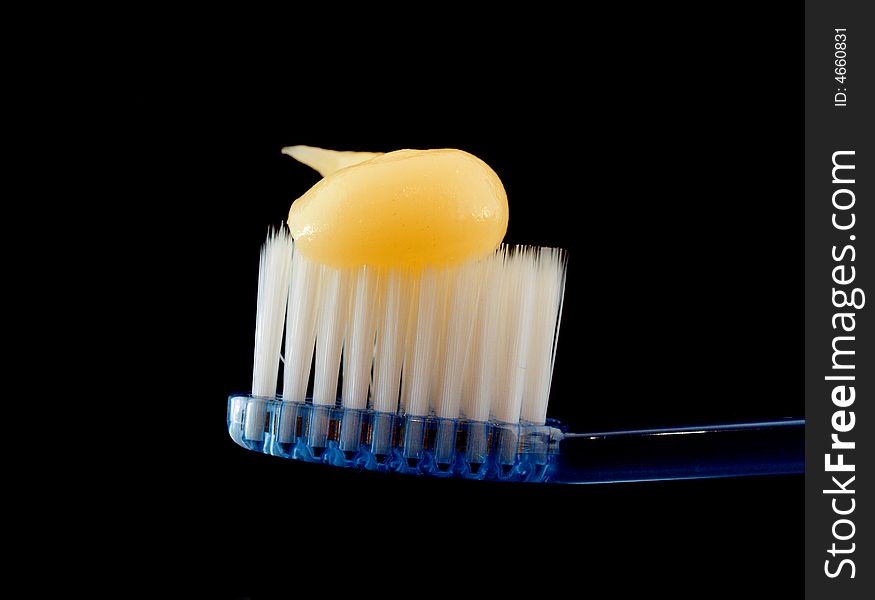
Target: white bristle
<point>300,328</point>
<point>481,369</point>
<point>389,355</point>
<point>512,336</point>
<point>273,283</point>
<point>442,295</point>
<point>463,288</point>
<point>426,319</point>
<point>330,327</point>
<point>549,287</point>
<point>358,352</point>
<point>477,340</point>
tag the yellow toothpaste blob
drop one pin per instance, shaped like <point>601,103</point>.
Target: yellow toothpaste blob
<point>403,208</point>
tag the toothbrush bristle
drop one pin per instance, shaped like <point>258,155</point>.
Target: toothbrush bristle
<point>460,311</point>
<point>358,349</point>
<point>476,341</point>
<point>300,327</point>
<point>273,285</point>
<point>548,282</point>
<point>425,320</point>
<point>330,327</point>
<point>394,300</point>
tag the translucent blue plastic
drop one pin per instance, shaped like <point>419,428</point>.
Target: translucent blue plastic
<point>431,446</point>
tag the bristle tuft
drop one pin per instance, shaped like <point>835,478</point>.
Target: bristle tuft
<point>330,327</point>
<point>273,282</point>
<point>301,328</point>
<point>358,353</point>
<point>393,299</point>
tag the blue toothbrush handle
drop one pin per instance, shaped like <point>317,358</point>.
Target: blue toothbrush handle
<point>430,446</point>
<point>764,448</point>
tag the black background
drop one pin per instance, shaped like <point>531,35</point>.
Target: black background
<point>665,160</point>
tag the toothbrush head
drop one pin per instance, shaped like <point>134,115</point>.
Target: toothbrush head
<point>388,442</point>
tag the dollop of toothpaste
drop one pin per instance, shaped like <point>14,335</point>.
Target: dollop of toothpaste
<point>408,208</point>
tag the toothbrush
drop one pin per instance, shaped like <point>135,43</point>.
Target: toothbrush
<point>544,454</point>
<point>402,432</point>
<point>392,279</point>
